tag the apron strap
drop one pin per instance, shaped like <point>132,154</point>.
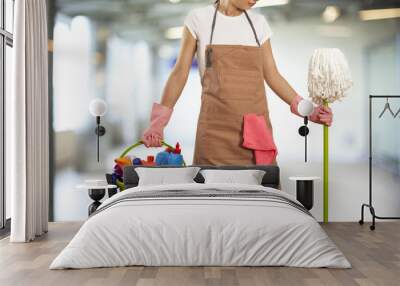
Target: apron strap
<point>213,22</point>
<point>252,27</point>
<point>247,16</point>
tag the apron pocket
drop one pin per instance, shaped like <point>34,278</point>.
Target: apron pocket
<point>240,84</point>
<point>222,141</point>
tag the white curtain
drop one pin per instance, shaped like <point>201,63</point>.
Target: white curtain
<point>27,121</point>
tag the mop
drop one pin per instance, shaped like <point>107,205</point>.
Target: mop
<point>328,80</point>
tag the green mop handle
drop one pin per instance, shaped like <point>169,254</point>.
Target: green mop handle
<point>326,171</point>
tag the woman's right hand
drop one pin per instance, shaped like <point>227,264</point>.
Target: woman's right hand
<point>153,135</point>
<point>161,113</point>
<point>152,138</point>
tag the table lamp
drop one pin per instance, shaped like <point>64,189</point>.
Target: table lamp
<point>98,108</point>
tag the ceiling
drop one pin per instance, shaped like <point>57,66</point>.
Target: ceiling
<point>150,18</point>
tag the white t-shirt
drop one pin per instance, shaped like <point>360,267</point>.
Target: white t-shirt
<point>229,30</point>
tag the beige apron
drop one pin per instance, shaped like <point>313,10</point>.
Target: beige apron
<point>232,85</point>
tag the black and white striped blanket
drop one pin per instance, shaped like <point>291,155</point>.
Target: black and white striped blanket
<point>206,194</point>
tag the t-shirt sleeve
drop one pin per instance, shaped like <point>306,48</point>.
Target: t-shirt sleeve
<point>191,22</point>
<point>266,31</point>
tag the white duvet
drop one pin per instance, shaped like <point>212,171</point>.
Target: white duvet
<point>200,231</point>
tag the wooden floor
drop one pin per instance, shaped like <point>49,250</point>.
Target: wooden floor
<point>375,257</point>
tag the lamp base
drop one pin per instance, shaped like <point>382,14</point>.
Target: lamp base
<point>100,130</point>
<point>304,131</point>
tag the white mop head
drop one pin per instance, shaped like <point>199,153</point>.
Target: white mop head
<point>328,76</point>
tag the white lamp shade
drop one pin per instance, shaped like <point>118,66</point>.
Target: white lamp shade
<point>305,107</point>
<point>98,107</point>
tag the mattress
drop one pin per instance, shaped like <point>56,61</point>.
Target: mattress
<point>201,225</point>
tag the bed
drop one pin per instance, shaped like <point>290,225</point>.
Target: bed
<point>198,224</point>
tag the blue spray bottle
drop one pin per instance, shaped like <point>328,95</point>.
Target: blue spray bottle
<point>162,157</point>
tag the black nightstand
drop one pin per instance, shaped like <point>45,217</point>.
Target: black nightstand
<point>305,190</point>
<point>96,193</point>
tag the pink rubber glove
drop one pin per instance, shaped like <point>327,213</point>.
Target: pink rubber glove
<point>160,115</point>
<point>321,114</point>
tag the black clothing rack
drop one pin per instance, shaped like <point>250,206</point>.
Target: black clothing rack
<point>370,205</point>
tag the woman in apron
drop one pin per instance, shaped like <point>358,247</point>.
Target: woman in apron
<point>233,127</point>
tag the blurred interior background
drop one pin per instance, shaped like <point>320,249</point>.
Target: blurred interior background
<point>122,51</point>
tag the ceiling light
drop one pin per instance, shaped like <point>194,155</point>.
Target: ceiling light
<point>379,14</point>
<point>330,14</point>
<point>174,33</point>
<point>265,3</point>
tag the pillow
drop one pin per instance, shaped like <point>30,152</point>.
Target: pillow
<point>249,177</point>
<point>162,176</point>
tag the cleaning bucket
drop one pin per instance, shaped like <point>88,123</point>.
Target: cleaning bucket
<point>117,179</point>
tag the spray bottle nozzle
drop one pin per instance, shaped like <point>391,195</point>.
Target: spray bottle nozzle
<point>177,149</point>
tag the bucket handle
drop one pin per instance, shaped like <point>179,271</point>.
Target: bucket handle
<point>140,142</point>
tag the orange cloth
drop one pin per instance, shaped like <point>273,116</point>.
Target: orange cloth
<point>257,136</point>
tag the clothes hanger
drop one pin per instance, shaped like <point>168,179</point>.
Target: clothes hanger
<point>387,107</point>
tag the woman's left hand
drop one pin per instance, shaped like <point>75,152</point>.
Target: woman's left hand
<point>322,115</point>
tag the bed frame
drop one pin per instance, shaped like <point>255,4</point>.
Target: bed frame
<point>270,179</point>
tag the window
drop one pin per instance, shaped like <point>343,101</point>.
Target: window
<point>6,43</point>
